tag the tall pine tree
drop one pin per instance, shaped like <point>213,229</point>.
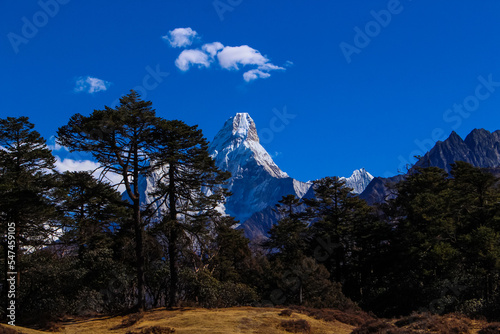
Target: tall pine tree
<point>26,181</point>
<point>120,139</point>
<point>190,189</point>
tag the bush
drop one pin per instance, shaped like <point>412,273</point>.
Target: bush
<point>208,292</point>
<point>154,330</point>
<point>351,317</point>
<point>129,321</point>
<point>493,328</point>
<point>285,313</point>
<point>442,324</point>
<point>296,326</point>
<point>378,326</point>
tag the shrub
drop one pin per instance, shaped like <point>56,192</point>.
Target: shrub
<point>411,319</point>
<point>285,313</point>
<point>129,321</point>
<point>442,324</point>
<point>378,326</point>
<point>493,328</point>
<point>209,292</point>
<point>154,330</point>
<point>351,317</point>
<point>296,326</point>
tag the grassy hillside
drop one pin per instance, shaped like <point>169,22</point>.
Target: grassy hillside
<point>258,320</point>
<point>189,320</point>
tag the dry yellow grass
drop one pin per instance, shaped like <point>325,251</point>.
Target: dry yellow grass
<point>213,321</point>
<point>196,320</point>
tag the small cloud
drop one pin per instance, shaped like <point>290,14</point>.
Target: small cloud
<point>180,37</point>
<point>233,56</point>
<point>255,74</point>
<point>192,57</point>
<point>288,63</point>
<point>91,85</point>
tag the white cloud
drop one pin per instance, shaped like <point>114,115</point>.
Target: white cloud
<point>180,37</point>
<point>255,74</point>
<point>192,57</point>
<point>228,57</point>
<point>91,85</point>
<point>212,48</point>
<point>232,56</point>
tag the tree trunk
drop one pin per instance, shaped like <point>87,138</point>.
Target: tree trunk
<point>139,252</point>
<point>174,278</point>
<point>172,242</point>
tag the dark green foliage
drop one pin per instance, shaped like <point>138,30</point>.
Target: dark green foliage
<point>122,141</point>
<point>27,208</point>
<point>189,191</point>
<point>207,291</point>
<point>289,239</point>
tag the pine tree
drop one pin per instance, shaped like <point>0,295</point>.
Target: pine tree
<point>121,140</point>
<point>289,238</point>
<point>93,210</point>
<point>27,213</point>
<point>190,189</point>
<point>335,211</point>
<point>423,241</point>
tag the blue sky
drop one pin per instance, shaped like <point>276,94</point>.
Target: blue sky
<point>368,83</point>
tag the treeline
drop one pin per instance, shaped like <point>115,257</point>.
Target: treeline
<point>81,248</point>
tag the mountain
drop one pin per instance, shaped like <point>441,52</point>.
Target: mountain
<point>358,181</point>
<point>480,148</point>
<point>256,181</point>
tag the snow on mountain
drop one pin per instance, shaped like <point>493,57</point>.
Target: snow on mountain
<point>236,143</point>
<point>256,181</point>
<point>358,181</point>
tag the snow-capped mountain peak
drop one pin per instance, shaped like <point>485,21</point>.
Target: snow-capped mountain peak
<point>237,143</point>
<point>358,181</point>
